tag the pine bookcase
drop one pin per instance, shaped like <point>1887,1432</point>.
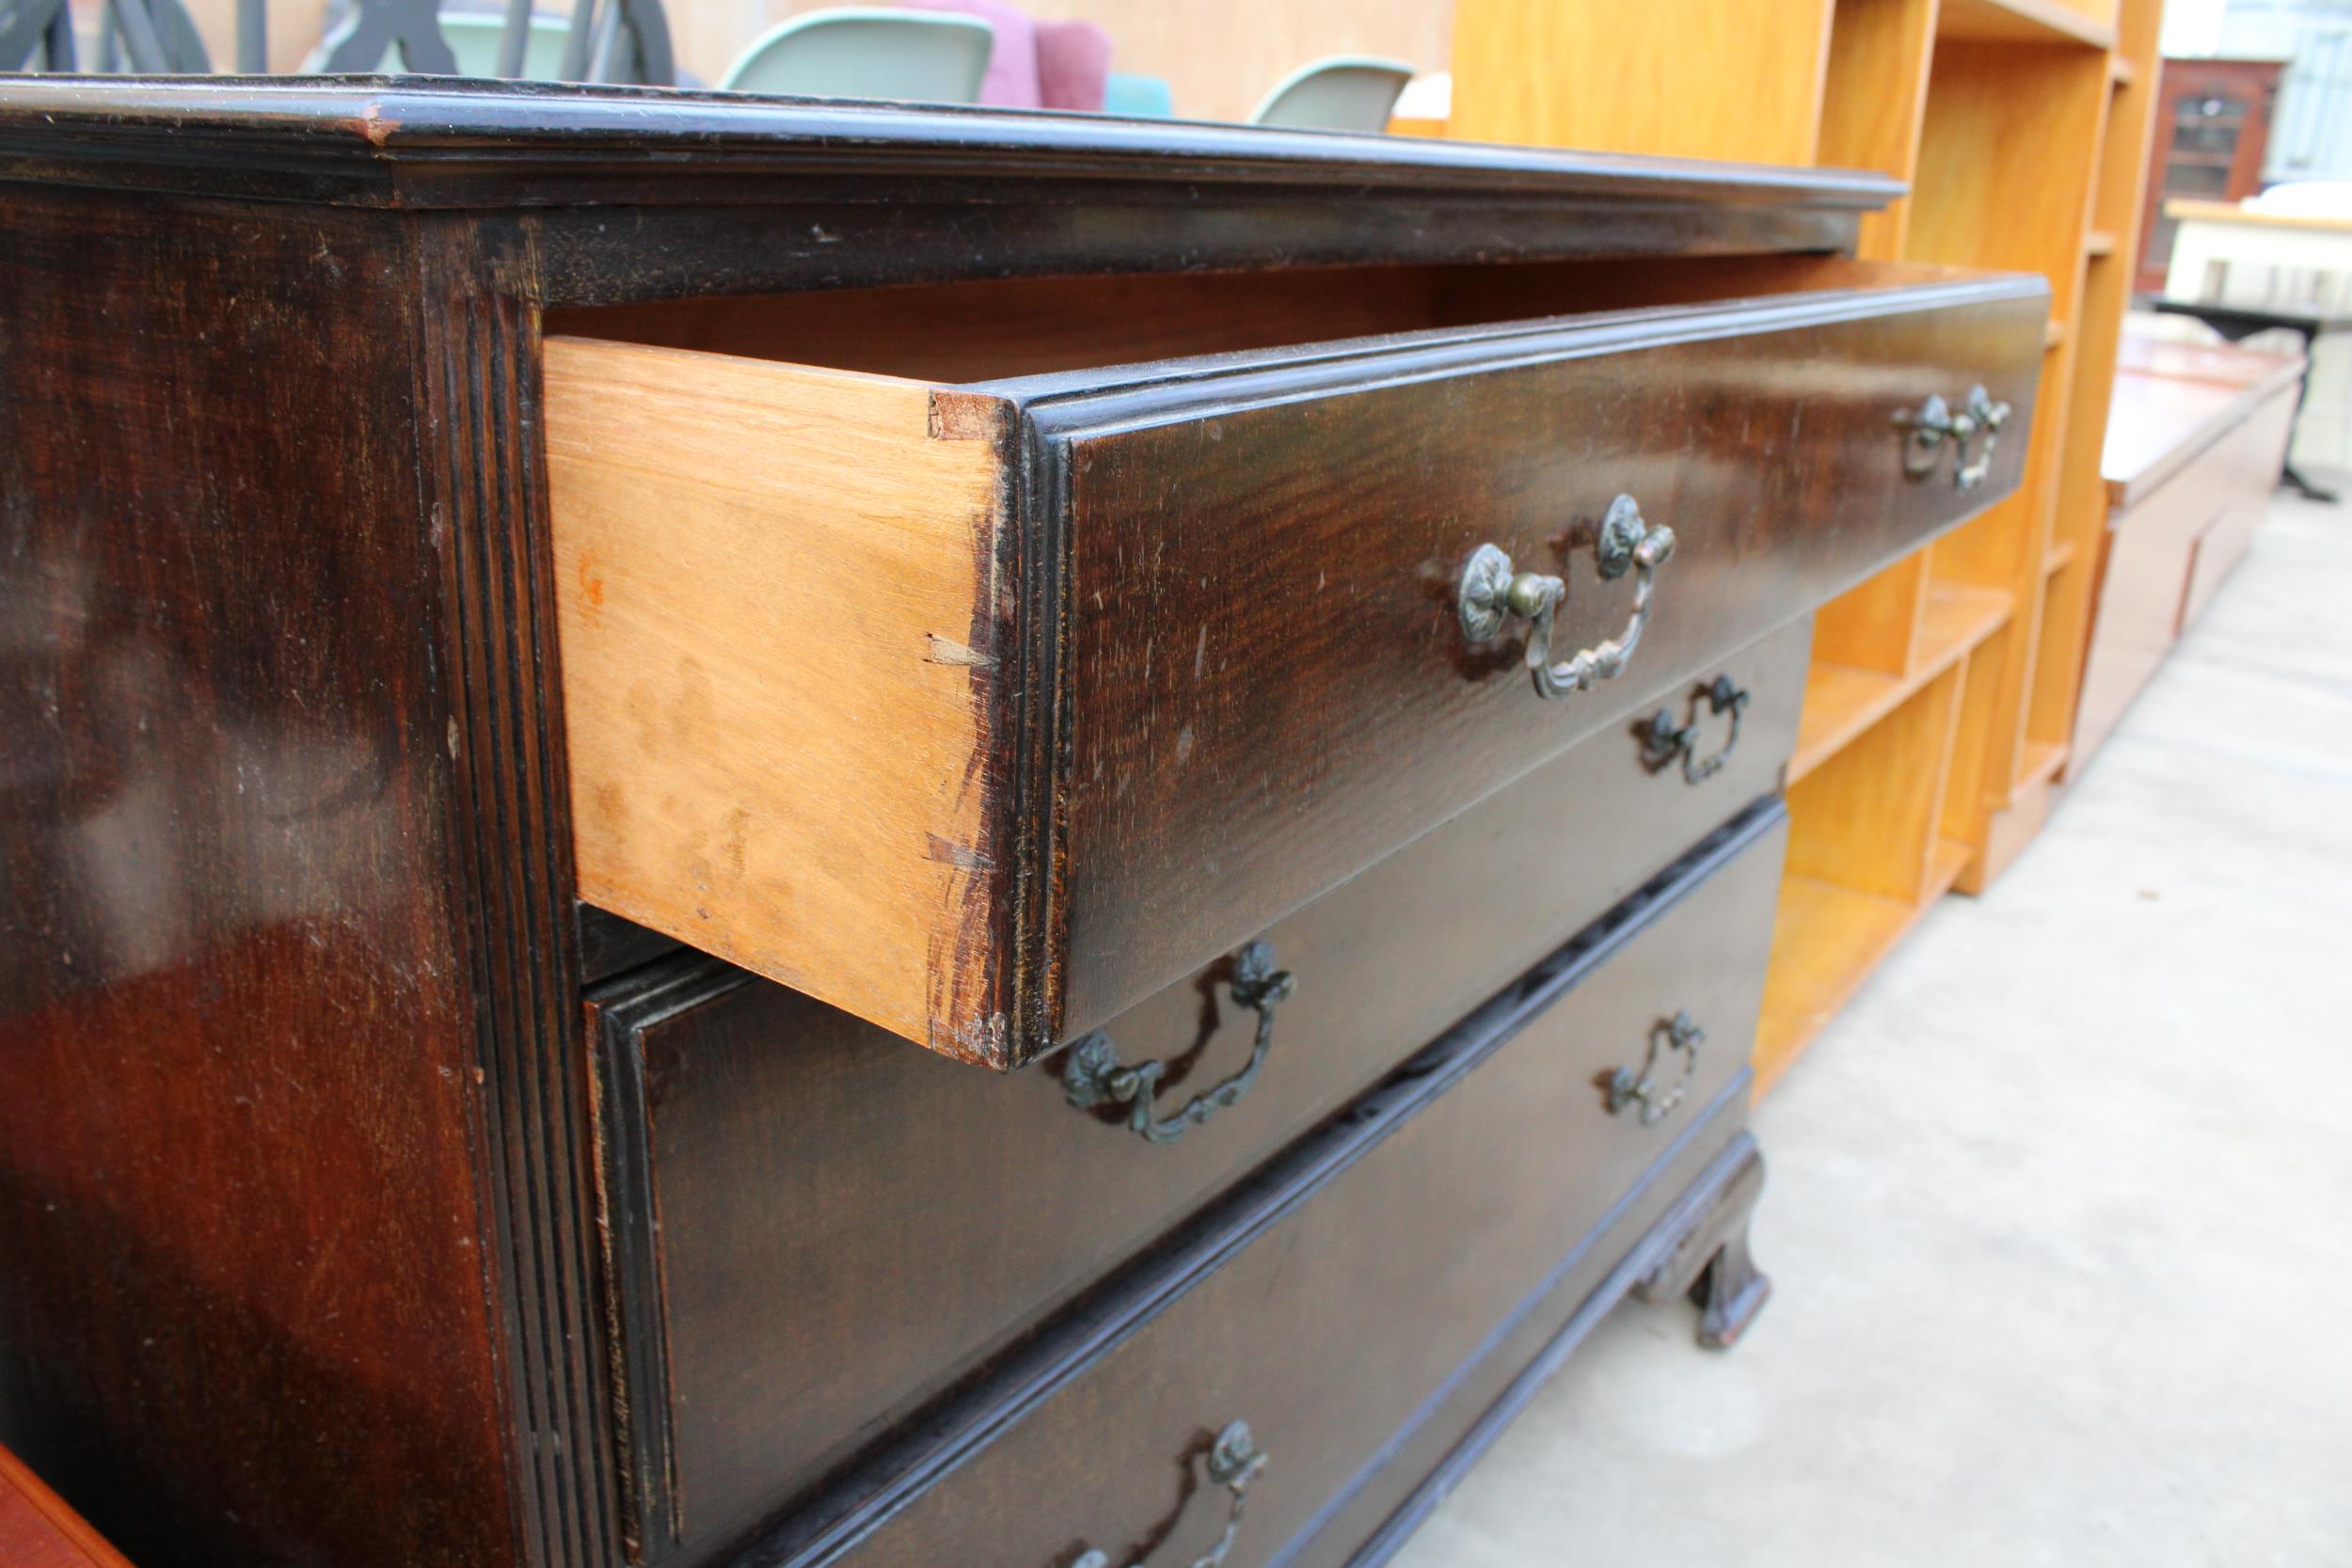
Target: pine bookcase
<point>1941,691</point>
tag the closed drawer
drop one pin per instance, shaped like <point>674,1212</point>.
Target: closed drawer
<point>986,707</point>
<point>860,1224</point>
<point>1334,1327</point>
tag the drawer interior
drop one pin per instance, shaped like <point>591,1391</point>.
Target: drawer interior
<point>996,329</point>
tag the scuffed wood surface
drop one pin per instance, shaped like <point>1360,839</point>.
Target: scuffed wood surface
<point>776,591</point>
<point>38,1531</point>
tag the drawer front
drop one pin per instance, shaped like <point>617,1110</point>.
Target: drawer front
<point>860,1224</point>
<point>986,711</point>
<point>1335,1324</point>
<point>1269,681</point>
<point>1391,1499</point>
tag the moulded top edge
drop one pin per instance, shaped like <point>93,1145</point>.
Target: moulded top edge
<point>386,122</point>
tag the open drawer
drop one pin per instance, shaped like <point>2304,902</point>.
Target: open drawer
<point>918,659</point>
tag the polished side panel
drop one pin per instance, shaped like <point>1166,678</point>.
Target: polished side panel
<point>245,1315</point>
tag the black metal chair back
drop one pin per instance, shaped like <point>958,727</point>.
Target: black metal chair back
<point>609,40</point>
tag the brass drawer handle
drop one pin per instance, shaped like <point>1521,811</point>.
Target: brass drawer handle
<point>1665,743</point>
<point>1235,1461</point>
<point>1093,1076</point>
<point>1492,593</point>
<point>1679,1033</point>
<point>1934,423</point>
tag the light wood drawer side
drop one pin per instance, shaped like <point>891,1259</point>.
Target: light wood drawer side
<point>775,592</point>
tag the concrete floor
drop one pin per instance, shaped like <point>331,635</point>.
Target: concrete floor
<point>2060,1216</point>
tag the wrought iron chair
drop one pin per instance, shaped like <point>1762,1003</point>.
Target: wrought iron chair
<point>605,40</point>
<point>147,36</point>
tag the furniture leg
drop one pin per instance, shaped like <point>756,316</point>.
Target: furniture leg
<point>2289,477</point>
<point>1730,1292</point>
<point>1711,1265</point>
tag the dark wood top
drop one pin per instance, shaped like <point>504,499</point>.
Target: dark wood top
<point>435,141</point>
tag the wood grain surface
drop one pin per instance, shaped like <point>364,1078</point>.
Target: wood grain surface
<point>1874,102</point>
<point>1641,85</point>
<point>1268,684</point>
<point>243,1317</point>
<point>778,600</point>
<point>1405,1260</point>
<point>38,1531</point>
<point>979,1204</point>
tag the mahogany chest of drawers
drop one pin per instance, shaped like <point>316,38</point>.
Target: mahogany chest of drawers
<point>758,833</point>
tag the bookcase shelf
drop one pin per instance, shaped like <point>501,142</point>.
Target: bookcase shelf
<point>1843,700</point>
<point>1941,696</point>
<point>2031,21</point>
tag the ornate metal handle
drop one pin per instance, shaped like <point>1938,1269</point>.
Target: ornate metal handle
<point>1934,423</point>
<point>1093,1076</point>
<point>1664,741</point>
<point>1235,1461</point>
<point>1679,1034</point>
<point>1493,592</point>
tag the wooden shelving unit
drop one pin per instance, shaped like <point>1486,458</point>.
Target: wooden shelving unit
<point>1841,701</point>
<point>2022,136</point>
<point>1941,691</point>
<point>2079,521</point>
<point>2041,22</point>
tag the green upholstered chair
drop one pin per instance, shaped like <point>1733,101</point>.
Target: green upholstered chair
<point>862,52</point>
